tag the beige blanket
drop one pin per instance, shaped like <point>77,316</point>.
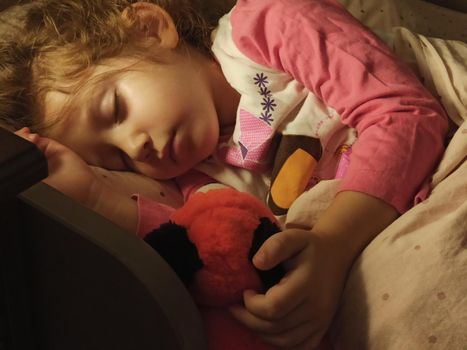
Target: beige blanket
<point>408,288</point>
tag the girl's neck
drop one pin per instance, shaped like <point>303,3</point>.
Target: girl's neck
<point>226,99</point>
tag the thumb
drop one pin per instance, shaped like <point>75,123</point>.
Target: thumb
<point>26,134</point>
<point>279,247</point>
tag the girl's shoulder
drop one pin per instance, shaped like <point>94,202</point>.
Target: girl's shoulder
<point>285,10</point>
<point>267,23</point>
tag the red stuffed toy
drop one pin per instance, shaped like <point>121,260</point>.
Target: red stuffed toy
<point>210,242</point>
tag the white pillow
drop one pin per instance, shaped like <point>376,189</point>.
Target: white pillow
<point>416,15</point>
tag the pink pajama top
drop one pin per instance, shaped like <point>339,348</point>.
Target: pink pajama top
<point>335,69</point>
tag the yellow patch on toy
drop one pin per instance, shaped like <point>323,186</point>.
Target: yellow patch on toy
<point>292,178</point>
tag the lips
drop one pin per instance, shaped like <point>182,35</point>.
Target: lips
<point>169,149</point>
<point>149,157</point>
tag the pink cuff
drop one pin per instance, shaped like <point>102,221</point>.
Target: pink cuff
<point>191,181</point>
<point>151,214</point>
<point>423,194</point>
<point>343,163</point>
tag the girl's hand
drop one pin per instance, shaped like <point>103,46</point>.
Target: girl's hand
<point>295,313</point>
<point>68,173</point>
<point>71,175</point>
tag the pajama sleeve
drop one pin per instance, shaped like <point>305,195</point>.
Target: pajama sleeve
<point>152,214</point>
<point>191,182</point>
<point>400,126</point>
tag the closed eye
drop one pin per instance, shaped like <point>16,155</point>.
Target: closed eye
<point>117,108</point>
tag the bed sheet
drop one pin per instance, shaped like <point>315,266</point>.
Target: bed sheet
<point>418,16</point>
<point>441,65</point>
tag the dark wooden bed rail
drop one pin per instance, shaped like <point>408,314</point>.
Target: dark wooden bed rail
<point>71,279</point>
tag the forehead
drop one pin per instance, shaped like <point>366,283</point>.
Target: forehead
<point>65,98</point>
<point>61,112</point>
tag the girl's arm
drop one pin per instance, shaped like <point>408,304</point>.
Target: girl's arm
<point>352,220</point>
<point>115,206</point>
<point>69,174</point>
<point>400,125</point>
<point>297,312</point>
<point>400,128</point>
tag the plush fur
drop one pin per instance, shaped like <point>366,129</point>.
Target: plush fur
<point>210,242</point>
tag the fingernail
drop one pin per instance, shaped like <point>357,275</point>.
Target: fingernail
<point>259,260</point>
<point>249,293</point>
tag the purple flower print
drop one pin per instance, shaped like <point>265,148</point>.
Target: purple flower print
<point>269,104</point>
<point>261,79</point>
<point>266,117</point>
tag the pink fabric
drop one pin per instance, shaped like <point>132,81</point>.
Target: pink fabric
<point>343,164</point>
<point>400,126</point>
<point>191,181</point>
<point>151,214</point>
<point>255,144</point>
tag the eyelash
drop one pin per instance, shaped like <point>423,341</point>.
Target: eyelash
<point>126,167</point>
<point>116,107</point>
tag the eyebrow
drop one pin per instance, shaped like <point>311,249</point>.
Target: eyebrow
<point>95,101</point>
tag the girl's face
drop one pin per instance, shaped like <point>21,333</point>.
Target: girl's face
<point>158,119</point>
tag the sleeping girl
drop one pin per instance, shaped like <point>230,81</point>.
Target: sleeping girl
<point>160,89</point>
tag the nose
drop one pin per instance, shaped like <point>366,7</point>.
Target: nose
<point>138,147</point>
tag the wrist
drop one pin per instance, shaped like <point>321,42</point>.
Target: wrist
<point>113,205</point>
<point>352,220</point>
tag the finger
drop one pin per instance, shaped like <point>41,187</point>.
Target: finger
<point>34,138</point>
<point>23,131</point>
<point>260,325</point>
<point>49,147</point>
<point>280,299</point>
<point>280,247</point>
<point>293,338</point>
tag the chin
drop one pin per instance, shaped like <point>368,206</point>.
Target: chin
<point>157,174</point>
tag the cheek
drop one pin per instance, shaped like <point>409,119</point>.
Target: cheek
<point>210,137</point>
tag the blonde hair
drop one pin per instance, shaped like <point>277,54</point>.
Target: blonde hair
<point>61,39</point>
